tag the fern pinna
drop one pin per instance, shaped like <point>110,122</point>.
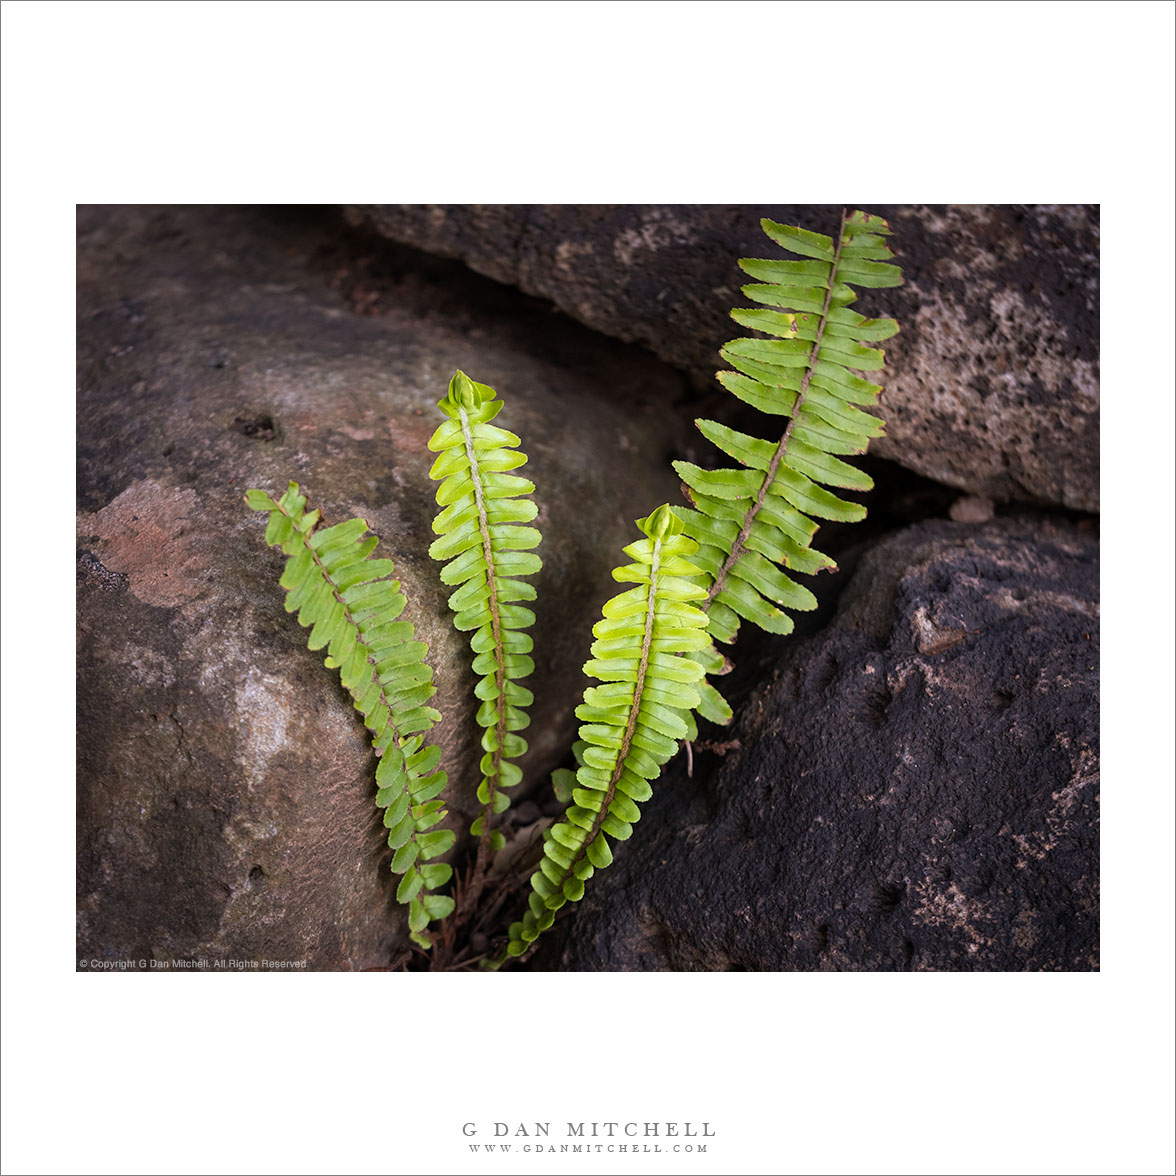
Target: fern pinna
<point>633,721</point>
<point>352,610</point>
<point>486,550</point>
<point>754,518</point>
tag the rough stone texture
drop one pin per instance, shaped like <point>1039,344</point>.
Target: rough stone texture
<point>225,784</point>
<point>915,787</point>
<point>992,386</point>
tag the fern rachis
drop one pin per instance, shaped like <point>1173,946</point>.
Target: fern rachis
<point>738,547</point>
<point>633,721</point>
<point>488,551</point>
<point>352,609</point>
<point>750,520</point>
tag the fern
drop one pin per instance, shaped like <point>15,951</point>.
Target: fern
<point>633,721</point>
<point>486,551</point>
<point>698,574</point>
<point>752,519</point>
<point>351,609</point>
<point>748,522</point>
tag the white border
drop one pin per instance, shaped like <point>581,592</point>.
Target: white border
<point>586,102</point>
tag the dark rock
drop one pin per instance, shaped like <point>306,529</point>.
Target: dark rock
<point>225,786</point>
<point>992,386</point>
<point>915,788</point>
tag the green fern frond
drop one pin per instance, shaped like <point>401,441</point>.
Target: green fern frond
<point>486,552</point>
<point>756,519</point>
<point>352,608</point>
<point>633,722</point>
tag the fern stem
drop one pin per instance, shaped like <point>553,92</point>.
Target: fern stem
<point>635,707</point>
<point>483,857</point>
<point>737,547</point>
<point>351,608</point>
<point>368,652</point>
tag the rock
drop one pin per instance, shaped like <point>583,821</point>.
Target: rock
<point>970,509</point>
<point>915,787</point>
<point>992,386</point>
<point>225,786</point>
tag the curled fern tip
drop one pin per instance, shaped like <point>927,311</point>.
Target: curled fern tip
<point>464,393</point>
<point>662,523</point>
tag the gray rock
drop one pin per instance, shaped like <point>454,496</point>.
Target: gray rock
<point>225,786</point>
<point>992,386</point>
<point>915,787</point>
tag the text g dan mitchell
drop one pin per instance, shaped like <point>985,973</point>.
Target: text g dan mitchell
<point>607,1130</point>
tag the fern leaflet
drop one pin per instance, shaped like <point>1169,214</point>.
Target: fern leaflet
<point>486,552</point>
<point>752,519</point>
<point>351,608</point>
<point>633,721</point>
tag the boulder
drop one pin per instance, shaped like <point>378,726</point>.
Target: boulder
<point>991,387</point>
<point>915,787</point>
<point>225,784</point>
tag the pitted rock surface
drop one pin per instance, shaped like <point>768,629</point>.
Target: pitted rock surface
<point>913,788</point>
<point>992,385</point>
